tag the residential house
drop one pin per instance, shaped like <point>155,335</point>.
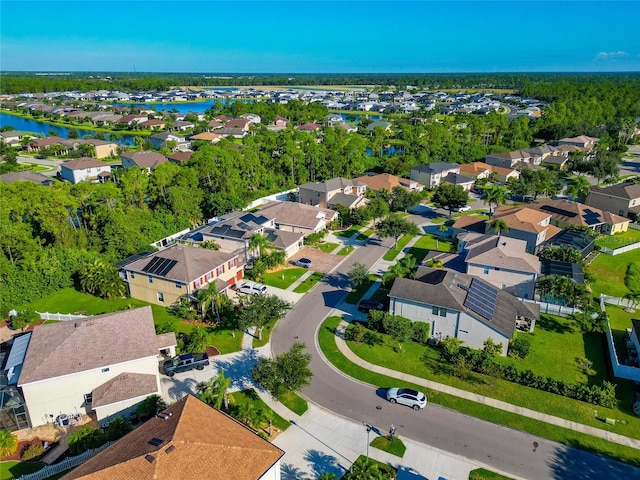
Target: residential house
<point>332,192</point>
<point>476,170</point>
<point>512,159</point>
<point>231,132</point>
<point>624,199</point>
<point>431,174</point>
<point>348,127</point>
<point>189,439</point>
<point>183,125</point>
<point>298,217</point>
<point>503,175</point>
<point>386,181</point>
<point>208,137</point>
<point>145,160</point>
<point>13,138</point>
<point>252,117</point>
<point>84,169</point>
<point>180,157</point>
<point>215,124</point>
<point>238,123</point>
<point>501,261</point>
<point>26,176</point>
<point>280,122</point>
<point>333,119</point>
<point>525,223</point>
<point>105,364</point>
<point>565,213</point>
<point>461,306</point>
<point>153,124</point>
<point>459,180</point>
<point>179,271</point>
<point>158,139</point>
<point>309,127</point>
<point>103,149</point>
<point>583,142</point>
<point>133,118</point>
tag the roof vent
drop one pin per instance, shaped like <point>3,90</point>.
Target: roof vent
<point>164,416</point>
<point>150,458</point>
<point>156,442</point>
<point>170,449</point>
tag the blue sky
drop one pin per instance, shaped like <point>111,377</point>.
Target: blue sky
<point>320,36</point>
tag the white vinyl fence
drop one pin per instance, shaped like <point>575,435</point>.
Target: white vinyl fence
<point>61,317</point>
<point>619,370</point>
<point>64,465</point>
<point>553,309</point>
<point>620,250</point>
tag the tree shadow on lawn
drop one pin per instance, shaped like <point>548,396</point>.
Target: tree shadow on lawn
<point>552,325</point>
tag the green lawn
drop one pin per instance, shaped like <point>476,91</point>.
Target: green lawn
<point>350,232</point>
<point>327,247</point>
<point>545,358</point>
<point>283,278</point>
<point>344,251</point>
<point>365,234</point>
<point>619,239</point>
<point>69,300</point>
<point>294,402</point>
<point>439,220</point>
<point>427,242</point>
<point>326,341</point>
<point>14,469</point>
<point>395,251</point>
<point>484,474</point>
<point>250,396</point>
<point>356,294</point>
<point>394,447</point>
<point>308,283</point>
<point>609,271</point>
<point>266,335</point>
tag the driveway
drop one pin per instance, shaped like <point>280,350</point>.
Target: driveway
<point>322,262</point>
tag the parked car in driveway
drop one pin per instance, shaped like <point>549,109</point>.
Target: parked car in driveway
<point>366,305</point>
<point>464,208</point>
<point>251,288</point>
<point>408,397</point>
<point>184,363</point>
<point>303,262</point>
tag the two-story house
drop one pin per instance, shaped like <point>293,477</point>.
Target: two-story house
<point>623,199</point>
<point>583,142</point>
<point>525,223</point>
<point>386,181</point>
<point>332,192</point>
<point>144,160</point>
<point>298,217</point>
<point>432,174</point>
<point>565,213</point>
<point>512,159</point>
<point>458,305</point>
<point>164,277</point>
<point>158,139</point>
<point>84,169</point>
<point>501,261</point>
<point>105,364</point>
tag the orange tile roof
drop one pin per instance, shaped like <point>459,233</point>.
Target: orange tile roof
<point>195,441</point>
<point>522,218</point>
<point>386,181</point>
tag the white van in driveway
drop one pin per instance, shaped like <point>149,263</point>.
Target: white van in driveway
<point>252,288</point>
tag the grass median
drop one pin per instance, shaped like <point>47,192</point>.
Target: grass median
<point>395,251</point>
<point>309,282</point>
<point>326,341</point>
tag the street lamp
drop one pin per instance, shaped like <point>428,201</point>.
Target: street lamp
<point>369,427</point>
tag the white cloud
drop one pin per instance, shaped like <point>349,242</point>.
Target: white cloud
<point>617,54</point>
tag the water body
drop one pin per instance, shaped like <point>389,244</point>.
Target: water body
<point>181,107</point>
<point>43,128</point>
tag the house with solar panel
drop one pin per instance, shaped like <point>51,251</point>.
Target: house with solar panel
<point>461,306</point>
<point>179,271</point>
<point>103,366</point>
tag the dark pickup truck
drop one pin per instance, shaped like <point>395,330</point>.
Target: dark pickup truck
<point>185,362</point>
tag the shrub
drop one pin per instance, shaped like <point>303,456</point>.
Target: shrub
<point>315,237</point>
<point>31,451</point>
<point>356,332</point>
<point>420,332</point>
<point>519,347</point>
<point>374,322</point>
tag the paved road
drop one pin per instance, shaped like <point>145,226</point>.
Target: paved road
<point>508,450</point>
<point>52,164</point>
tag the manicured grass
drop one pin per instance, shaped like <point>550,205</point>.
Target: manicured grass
<point>394,447</point>
<point>545,358</point>
<point>250,396</point>
<point>609,271</point>
<point>619,239</point>
<point>344,251</point>
<point>356,294</point>
<point>427,242</point>
<point>350,232</point>
<point>484,474</point>
<point>283,278</point>
<point>294,402</point>
<point>394,252</point>
<point>326,341</point>
<point>327,247</point>
<point>266,335</point>
<point>439,220</point>
<point>308,283</point>
<point>14,469</point>
<point>366,234</point>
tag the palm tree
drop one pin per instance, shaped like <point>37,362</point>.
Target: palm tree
<point>214,391</point>
<point>8,443</point>
<point>496,194</point>
<point>260,243</point>
<point>435,263</point>
<point>579,188</point>
<point>499,226</point>
<point>101,279</point>
<point>328,476</point>
<point>198,339</point>
<point>364,469</point>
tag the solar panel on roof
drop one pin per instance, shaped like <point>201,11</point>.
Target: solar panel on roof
<point>164,268</point>
<point>151,265</point>
<point>481,299</point>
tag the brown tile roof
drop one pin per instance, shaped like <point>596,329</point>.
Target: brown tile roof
<point>165,340</point>
<point>466,221</point>
<point>191,262</point>
<point>296,214</point>
<point>522,218</point>
<point>196,441</point>
<point>575,213</point>
<point>238,123</point>
<point>180,157</point>
<point>386,181</point>
<point>103,340</point>
<point>475,168</point>
<point>503,170</point>
<point>207,136</point>
<point>124,387</point>
<point>26,176</point>
<point>82,163</point>
<point>145,159</point>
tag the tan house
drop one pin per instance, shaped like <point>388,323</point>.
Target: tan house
<point>477,170</point>
<point>386,181</point>
<point>191,440</point>
<point>583,142</point>
<point>332,192</point>
<point>624,199</point>
<point>298,217</point>
<point>432,174</point>
<point>145,160</point>
<point>103,148</point>
<point>164,277</point>
<point>565,212</point>
<point>525,223</point>
<point>501,261</point>
<point>207,137</point>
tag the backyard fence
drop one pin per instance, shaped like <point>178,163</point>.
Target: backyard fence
<point>618,251</point>
<point>619,370</point>
<point>64,465</point>
<point>621,302</point>
<point>634,226</point>
<point>61,317</point>
<point>553,309</point>
<point>280,196</point>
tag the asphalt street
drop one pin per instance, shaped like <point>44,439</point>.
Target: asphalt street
<point>506,449</point>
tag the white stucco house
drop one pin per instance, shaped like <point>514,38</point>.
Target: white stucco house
<point>105,364</point>
<point>458,305</point>
<point>84,169</point>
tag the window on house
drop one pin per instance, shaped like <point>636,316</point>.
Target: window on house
<point>486,270</point>
<point>133,275</point>
<point>105,370</point>
<point>88,398</point>
<point>178,285</point>
<point>435,310</point>
<point>161,297</point>
<point>150,278</point>
<point>443,312</point>
<point>219,271</point>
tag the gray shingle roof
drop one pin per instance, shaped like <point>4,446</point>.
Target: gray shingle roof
<point>436,167</point>
<point>624,190</point>
<point>124,387</point>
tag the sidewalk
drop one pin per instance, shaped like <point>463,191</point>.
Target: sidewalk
<point>492,402</point>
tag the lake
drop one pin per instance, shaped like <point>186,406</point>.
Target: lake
<point>43,128</point>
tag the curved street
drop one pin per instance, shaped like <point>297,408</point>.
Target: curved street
<point>508,450</point>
